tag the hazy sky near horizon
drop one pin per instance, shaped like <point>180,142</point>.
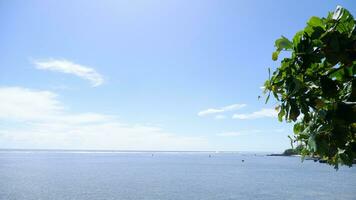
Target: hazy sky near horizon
<point>144,75</point>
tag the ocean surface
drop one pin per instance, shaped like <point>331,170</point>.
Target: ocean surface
<point>56,175</point>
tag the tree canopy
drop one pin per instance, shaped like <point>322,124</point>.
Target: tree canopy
<point>315,86</point>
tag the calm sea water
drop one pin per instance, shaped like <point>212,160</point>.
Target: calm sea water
<point>120,176</point>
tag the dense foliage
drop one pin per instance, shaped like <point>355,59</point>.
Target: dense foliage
<point>316,87</point>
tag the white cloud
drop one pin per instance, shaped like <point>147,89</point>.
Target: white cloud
<point>69,67</point>
<point>265,112</point>
<point>239,133</point>
<point>220,117</point>
<point>221,110</point>
<point>249,132</point>
<point>37,119</point>
<point>24,104</point>
<point>229,134</point>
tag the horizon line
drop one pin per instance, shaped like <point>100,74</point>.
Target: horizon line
<point>128,151</point>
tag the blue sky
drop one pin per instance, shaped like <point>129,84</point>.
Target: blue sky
<point>144,75</point>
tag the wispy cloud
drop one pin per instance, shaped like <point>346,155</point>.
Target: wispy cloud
<point>265,112</point>
<point>229,134</point>
<point>211,111</point>
<point>68,67</point>
<point>37,119</point>
<point>18,103</point>
<point>220,117</point>
<point>239,133</point>
<point>248,132</point>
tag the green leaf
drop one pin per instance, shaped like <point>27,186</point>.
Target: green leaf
<point>275,55</point>
<point>311,143</point>
<point>297,39</point>
<point>297,128</point>
<point>283,44</point>
<point>281,114</point>
<point>315,21</point>
<point>294,113</point>
<point>269,94</point>
<point>338,75</point>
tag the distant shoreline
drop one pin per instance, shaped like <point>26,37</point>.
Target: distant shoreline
<point>281,154</point>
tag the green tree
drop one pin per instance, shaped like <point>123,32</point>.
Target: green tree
<point>293,151</point>
<point>315,86</point>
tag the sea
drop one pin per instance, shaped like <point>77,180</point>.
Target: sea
<point>134,175</point>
